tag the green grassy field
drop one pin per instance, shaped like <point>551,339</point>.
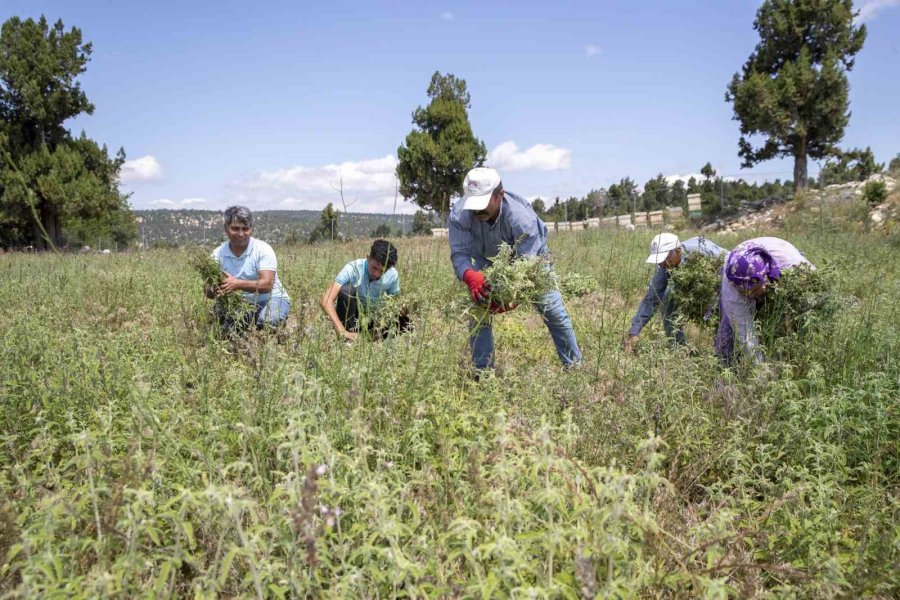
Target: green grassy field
<point>141,456</point>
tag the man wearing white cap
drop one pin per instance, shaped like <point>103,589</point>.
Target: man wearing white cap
<point>486,217</point>
<point>666,252</point>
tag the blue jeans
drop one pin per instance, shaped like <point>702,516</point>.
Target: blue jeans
<point>272,312</point>
<point>669,310</point>
<point>555,317</point>
<point>266,313</point>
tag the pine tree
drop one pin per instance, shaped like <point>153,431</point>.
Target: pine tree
<point>793,89</point>
<point>48,178</point>
<point>441,148</point>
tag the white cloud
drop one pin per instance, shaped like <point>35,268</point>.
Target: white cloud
<point>670,179</point>
<point>168,203</point>
<point>146,168</point>
<point>869,9</point>
<point>591,50</point>
<point>447,16</point>
<point>540,157</point>
<point>369,186</point>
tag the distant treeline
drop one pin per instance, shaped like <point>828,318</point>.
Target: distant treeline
<point>160,228</point>
<point>720,196</point>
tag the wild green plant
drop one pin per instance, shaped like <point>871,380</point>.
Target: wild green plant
<point>232,304</point>
<point>575,285</point>
<point>140,457</point>
<point>515,280</point>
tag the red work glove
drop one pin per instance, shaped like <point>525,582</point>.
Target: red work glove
<point>499,309</point>
<point>478,286</point>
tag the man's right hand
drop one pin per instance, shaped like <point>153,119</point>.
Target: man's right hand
<point>349,336</point>
<point>478,286</point>
<point>631,342</point>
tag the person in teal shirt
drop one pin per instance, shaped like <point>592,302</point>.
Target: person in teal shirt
<point>359,287</point>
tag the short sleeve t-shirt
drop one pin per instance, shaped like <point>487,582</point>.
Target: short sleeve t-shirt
<point>258,256</point>
<point>356,274</point>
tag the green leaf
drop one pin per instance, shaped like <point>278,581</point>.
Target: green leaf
<point>225,567</point>
<point>189,533</point>
<point>162,579</point>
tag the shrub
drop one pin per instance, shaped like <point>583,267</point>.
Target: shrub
<point>874,193</point>
<point>575,285</point>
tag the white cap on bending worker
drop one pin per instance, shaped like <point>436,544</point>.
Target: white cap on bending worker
<point>478,187</point>
<point>661,246</point>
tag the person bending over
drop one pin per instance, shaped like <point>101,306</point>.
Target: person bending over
<point>357,290</point>
<point>667,252</point>
<point>749,270</point>
<point>484,218</point>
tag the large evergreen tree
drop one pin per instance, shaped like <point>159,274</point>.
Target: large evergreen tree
<point>441,148</point>
<point>793,90</point>
<point>48,178</point>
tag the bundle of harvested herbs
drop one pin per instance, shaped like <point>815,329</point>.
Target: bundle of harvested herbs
<point>387,317</point>
<point>232,304</point>
<point>515,280</point>
<point>801,300</point>
<point>695,289</point>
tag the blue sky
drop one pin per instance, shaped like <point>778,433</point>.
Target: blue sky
<point>270,104</point>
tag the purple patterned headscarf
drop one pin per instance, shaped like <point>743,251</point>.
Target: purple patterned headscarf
<point>750,265</point>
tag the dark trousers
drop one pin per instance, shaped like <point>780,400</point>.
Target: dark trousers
<point>348,309</point>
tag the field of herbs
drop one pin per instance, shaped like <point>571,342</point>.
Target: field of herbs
<point>143,456</point>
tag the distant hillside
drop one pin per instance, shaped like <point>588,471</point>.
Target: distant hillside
<point>186,227</point>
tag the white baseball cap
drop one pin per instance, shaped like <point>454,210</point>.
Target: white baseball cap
<point>661,246</point>
<point>478,187</point>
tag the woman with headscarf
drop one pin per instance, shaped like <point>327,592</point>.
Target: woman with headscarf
<point>749,269</point>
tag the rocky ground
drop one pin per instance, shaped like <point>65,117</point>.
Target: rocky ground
<point>771,211</point>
